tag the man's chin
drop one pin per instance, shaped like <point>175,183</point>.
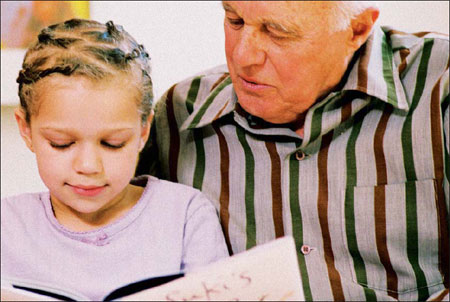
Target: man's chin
<point>267,116</point>
<point>254,107</point>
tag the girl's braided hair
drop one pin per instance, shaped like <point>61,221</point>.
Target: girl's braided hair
<point>89,48</point>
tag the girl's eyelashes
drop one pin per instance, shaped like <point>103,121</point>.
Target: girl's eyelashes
<point>61,146</point>
<point>103,143</point>
<point>113,146</point>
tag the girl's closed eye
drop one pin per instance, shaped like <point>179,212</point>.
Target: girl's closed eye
<point>110,145</point>
<point>61,145</point>
<point>113,145</point>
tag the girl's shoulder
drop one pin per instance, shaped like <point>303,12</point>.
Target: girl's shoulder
<point>157,186</point>
<point>170,194</point>
<point>23,198</point>
<point>23,205</point>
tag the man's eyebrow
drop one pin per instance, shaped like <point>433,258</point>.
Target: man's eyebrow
<point>290,29</point>
<point>278,26</point>
<point>287,28</point>
<point>227,7</point>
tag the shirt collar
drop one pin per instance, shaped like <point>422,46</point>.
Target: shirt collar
<point>219,102</point>
<point>374,73</point>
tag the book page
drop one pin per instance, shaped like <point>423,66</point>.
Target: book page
<point>14,289</point>
<point>12,294</point>
<point>267,272</point>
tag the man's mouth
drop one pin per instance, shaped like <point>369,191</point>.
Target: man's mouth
<point>252,84</point>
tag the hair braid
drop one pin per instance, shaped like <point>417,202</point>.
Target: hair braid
<point>88,48</point>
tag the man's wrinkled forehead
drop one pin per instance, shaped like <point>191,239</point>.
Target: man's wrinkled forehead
<point>298,16</point>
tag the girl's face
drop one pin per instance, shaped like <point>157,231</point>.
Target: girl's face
<point>86,137</point>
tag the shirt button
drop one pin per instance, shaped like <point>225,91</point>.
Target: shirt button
<point>101,240</point>
<point>300,155</point>
<point>305,249</point>
<point>252,121</point>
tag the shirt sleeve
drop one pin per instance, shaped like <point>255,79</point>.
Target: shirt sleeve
<point>442,295</point>
<point>203,241</point>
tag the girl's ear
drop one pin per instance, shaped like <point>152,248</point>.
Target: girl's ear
<point>24,127</point>
<point>145,131</point>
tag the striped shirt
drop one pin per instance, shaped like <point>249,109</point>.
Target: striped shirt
<point>364,193</point>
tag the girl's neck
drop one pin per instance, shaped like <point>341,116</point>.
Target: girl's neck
<point>82,222</point>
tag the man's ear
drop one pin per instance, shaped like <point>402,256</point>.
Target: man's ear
<point>145,131</point>
<point>24,127</point>
<point>362,26</point>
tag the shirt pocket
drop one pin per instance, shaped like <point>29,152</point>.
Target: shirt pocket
<point>392,235</point>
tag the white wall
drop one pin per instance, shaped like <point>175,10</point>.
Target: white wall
<point>415,16</point>
<point>182,38</point>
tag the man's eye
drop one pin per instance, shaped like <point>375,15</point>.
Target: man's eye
<point>235,22</point>
<point>277,37</point>
<point>61,146</point>
<point>275,34</point>
<point>113,146</point>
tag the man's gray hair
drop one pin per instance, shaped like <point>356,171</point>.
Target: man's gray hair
<point>344,11</point>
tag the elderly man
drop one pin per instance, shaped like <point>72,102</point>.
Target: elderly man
<point>326,127</point>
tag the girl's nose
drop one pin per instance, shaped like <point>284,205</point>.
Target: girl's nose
<point>88,160</point>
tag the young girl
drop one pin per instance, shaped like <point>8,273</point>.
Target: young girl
<point>85,93</point>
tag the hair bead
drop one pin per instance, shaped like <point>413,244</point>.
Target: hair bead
<point>112,29</point>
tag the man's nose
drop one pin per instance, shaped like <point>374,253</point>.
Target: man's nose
<point>88,160</point>
<point>249,49</point>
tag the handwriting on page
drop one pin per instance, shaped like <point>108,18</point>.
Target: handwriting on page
<point>234,287</point>
<point>265,273</point>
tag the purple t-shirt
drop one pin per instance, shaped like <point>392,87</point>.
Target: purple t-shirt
<point>173,227</point>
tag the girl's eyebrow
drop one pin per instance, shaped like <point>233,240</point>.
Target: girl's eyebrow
<point>70,131</point>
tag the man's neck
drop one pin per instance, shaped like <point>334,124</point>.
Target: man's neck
<point>298,125</point>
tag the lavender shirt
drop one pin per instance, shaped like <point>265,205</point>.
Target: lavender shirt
<point>173,227</point>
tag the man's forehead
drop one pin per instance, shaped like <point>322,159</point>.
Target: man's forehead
<point>297,6</point>
<point>292,15</point>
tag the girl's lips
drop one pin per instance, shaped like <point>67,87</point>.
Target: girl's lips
<point>87,190</point>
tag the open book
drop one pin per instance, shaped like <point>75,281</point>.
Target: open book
<point>268,272</point>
